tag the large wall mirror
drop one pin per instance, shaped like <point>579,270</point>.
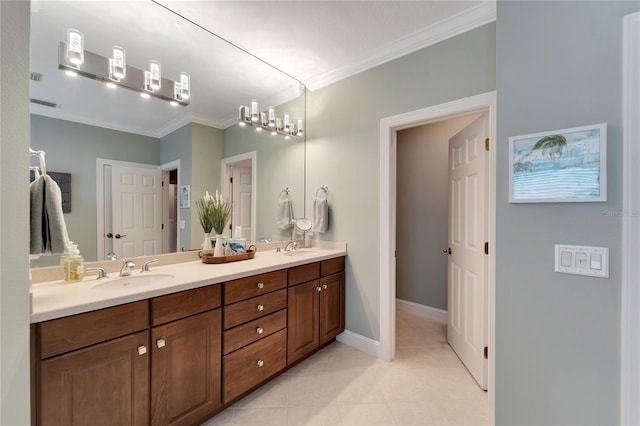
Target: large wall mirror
<point>91,131</point>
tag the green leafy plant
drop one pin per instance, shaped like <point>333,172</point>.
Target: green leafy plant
<point>205,207</point>
<point>221,213</point>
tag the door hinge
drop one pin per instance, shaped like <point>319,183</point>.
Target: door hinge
<point>162,183</point>
<point>486,248</point>
<point>486,352</point>
<point>162,226</point>
<point>486,144</point>
<point>230,180</point>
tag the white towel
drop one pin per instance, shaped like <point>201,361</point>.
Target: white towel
<point>320,215</point>
<point>48,229</point>
<point>284,215</point>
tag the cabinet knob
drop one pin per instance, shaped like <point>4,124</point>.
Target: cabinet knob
<point>160,343</point>
<point>324,286</point>
<point>260,307</point>
<point>318,288</point>
<point>259,330</point>
<point>260,285</point>
<point>260,363</point>
<point>142,350</point>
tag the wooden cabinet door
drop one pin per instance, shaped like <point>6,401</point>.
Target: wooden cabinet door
<point>104,384</point>
<point>331,307</point>
<point>186,369</point>
<point>302,323</point>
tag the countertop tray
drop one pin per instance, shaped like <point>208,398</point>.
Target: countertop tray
<point>209,258</point>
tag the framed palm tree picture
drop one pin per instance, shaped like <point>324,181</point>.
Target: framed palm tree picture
<point>560,166</point>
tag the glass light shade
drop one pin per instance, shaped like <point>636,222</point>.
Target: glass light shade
<point>300,127</point>
<point>119,62</point>
<point>185,85</point>
<point>263,119</point>
<point>286,122</point>
<point>255,112</point>
<point>155,75</point>
<point>292,129</point>
<point>75,46</point>
<point>279,124</point>
<point>272,117</point>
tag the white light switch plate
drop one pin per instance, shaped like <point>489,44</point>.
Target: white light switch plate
<point>582,260</point>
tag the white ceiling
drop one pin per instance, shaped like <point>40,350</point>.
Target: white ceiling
<point>315,42</point>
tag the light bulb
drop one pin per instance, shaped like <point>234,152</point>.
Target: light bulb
<point>75,46</point>
<point>300,132</point>
<point>118,62</point>
<point>185,85</point>
<point>155,75</point>
<point>272,117</point>
<point>286,122</point>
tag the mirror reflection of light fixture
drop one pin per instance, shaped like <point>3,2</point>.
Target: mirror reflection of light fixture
<point>75,47</point>
<point>118,63</point>
<point>74,60</point>
<point>252,116</point>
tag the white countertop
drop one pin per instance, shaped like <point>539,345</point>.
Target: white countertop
<point>56,299</point>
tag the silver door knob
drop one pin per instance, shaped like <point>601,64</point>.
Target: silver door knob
<point>259,330</point>
<point>260,363</point>
<point>260,285</point>
<point>160,343</point>
<point>260,307</point>
<point>142,350</point>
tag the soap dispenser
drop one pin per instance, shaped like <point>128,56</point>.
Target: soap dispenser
<point>73,265</point>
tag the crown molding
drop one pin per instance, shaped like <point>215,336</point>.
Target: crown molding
<point>465,21</point>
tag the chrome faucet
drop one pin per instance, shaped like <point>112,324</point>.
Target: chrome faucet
<point>101,273</point>
<point>145,265</point>
<point>291,246</point>
<point>111,256</point>
<point>127,266</point>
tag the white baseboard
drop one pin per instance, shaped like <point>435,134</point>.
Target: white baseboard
<point>362,343</point>
<point>436,314</point>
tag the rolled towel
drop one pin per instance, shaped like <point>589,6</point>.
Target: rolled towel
<point>36,215</point>
<point>284,215</point>
<point>47,226</point>
<point>320,215</point>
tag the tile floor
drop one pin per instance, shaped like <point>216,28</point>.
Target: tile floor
<point>425,385</point>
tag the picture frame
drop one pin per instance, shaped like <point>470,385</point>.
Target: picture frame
<point>559,166</point>
<point>184,197</point>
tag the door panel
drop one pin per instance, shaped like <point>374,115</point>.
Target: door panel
<point>303,320</point>
<point>331,307</point>
<point>242,187</point>
<point>467,266</point>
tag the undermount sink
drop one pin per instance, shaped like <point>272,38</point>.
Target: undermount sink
<point>300,252</point>
<point>134,281</point>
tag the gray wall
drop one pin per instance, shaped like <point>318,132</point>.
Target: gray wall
<point>14,213</point>
<point>73,148</point>
<point>558,336</point>
<point>422,211</point>
<point>177,146</point>
<point>343,147</point>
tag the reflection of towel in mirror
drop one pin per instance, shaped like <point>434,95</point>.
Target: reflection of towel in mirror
<point>48,229</point>
<point>284,216</point>
<point>320,215</point>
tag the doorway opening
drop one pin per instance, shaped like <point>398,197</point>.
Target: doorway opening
<point>388,198</point>
<point>239,177</point>
<point>170,209</point>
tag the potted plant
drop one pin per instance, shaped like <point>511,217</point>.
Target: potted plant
<point>220,216</point>
<point>205,207</point>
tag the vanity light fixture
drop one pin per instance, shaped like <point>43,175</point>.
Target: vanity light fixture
<point>252,116</point>
<point>74,60</point>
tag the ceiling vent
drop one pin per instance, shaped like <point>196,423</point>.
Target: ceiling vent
<point>44,103</point>
<point>35,76</point>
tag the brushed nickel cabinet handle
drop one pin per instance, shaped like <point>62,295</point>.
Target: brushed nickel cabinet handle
<point>259,330</point>
<point>318,288</point>
<point>142,350</point>
<point>260,285</point>
<point>160,343</point>
<point>260,307</point>
<point>260,363</point>
<point>324,286</point>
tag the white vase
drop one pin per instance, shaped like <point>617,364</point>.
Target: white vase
<point>206,243</point>
<point>219,250</point>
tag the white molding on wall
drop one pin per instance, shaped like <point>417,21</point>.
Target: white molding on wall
<point>424,311</point>
<point>362,343</point>
<point>468,20</point>
<point>388,147</point>
<point>630,294</point>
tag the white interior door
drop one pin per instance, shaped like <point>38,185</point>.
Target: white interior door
<point>467,271</point>
<point>241,197</point>
<point>137,211</point>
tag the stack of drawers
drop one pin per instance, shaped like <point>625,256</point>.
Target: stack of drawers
<point>255,334</point>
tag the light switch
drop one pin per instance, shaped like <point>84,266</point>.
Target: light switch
<point>182,224</point>
<point>582,260</point>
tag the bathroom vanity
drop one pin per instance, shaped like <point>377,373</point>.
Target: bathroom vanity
<point>179,352</point>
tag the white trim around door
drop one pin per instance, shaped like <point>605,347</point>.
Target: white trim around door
<point>630,294</point>
<point>226,174</point>
<point>388,148</point>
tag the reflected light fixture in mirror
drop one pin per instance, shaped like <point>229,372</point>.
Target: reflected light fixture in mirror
<point>75,47</point>
<point>268,120</point>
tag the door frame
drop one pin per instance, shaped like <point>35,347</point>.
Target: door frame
<point>100,163</point>
<point>388,164</point>
<point>630,290</point>
<point>227,164</point>
<point>171,165</point>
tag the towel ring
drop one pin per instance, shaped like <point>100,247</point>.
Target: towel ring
<point>286,192</point>
<point>40,155</point>
<point>322,191</point>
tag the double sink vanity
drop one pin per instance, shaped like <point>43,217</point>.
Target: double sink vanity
<point>178,344</point>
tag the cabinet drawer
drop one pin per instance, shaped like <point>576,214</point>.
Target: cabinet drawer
<point>255,330</point>
<point>331,266</point>
<point>253,308</point>
<point>304,273</point>
<point>180,305</point>
<point>235,291</point>
<point>66,334</point>
<point>253,364</point>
